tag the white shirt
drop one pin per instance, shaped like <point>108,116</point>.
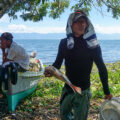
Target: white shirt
<point>19,55</point>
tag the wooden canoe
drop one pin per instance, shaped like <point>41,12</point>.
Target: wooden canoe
<point>26,84</point>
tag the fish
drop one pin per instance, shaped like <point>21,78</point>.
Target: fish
<point>59,75</point>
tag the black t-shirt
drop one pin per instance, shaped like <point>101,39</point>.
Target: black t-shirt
<point>79,61</point>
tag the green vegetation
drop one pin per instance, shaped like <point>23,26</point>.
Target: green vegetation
<point>43,104</point>
<point>50,88</point>
<point>35,10</point>
<point>113,78</point>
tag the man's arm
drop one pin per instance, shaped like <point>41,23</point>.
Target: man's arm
<point>97,56</point>
<point>4,57</point>
<point>60,55</point>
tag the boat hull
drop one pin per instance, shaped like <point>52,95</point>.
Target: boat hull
<point>26,84</point>
<point>14,99</point>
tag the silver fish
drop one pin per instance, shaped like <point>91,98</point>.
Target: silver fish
<point>59,75</point>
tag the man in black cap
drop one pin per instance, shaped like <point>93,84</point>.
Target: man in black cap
<point>79,50</point>
<point>6,39</point>
<point>12,52</point>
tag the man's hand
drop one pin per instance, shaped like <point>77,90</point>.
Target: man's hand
<point>5,57</point>
<point>47,72</point>
<point>109,97</point>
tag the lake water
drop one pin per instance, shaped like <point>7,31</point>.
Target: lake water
<point>47,49</point>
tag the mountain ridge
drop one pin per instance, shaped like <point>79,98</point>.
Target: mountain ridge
<point>60,36</point>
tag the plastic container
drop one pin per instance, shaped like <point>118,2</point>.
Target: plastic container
<point>110,109</point>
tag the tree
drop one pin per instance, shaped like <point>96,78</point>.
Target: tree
<point>35,10</point>
<point>5,6</point>
<point>112,6</point>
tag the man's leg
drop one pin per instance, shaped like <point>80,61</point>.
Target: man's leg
<point>81,105</point>
<point>66,106</point>
<point>1,94</point>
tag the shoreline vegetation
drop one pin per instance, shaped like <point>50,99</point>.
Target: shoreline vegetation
<point>43,104</point>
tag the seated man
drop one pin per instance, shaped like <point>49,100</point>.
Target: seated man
<point>11,51</point>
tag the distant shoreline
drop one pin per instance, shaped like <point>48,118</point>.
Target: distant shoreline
<point>60,39</point>
<point>100,36</point>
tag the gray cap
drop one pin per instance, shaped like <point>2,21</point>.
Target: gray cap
<point>77,16</point>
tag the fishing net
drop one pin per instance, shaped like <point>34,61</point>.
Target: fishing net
<point>35,65</point>
<point>110,109</point>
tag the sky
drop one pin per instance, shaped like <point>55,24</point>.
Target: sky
<point>103,24</point>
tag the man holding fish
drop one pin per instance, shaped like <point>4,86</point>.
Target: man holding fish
<point>79,50</point>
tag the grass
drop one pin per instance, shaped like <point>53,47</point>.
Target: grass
<point>45,100</point>
<point>113,79</point>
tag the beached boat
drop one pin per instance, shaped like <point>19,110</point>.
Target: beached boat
<point>26,84</point>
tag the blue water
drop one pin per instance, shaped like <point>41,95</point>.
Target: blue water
<point>47,49</point>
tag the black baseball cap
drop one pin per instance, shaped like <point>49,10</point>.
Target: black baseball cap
<point>6,35</point>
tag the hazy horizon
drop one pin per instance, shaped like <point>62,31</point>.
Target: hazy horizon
<point>60,36</point>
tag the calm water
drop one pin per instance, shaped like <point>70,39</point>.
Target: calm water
<point>47,49</point>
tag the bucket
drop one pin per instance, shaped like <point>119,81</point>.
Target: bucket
<point>110,109</point>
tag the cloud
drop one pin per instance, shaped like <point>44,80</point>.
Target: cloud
<point>4,19</point>
<point>21,28</point>
<point>24,29</point>
<point>17,28</point>
<point>107,29</point>
<point>1,30</point>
